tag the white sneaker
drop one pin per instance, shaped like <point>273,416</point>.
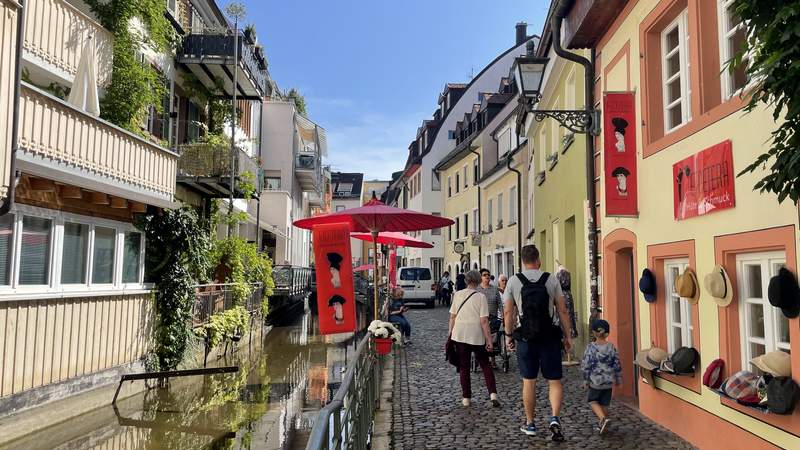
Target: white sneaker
<point>495,401</point>
<point>465,402</point>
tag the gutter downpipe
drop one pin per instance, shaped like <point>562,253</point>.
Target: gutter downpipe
<point>12,177</point>
<point>480,219</point>
<point>519,206</point>
<point>260,175</point>
<point>560,12</point>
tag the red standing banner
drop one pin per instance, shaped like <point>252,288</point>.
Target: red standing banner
<point>703,183</point>
<point>336,300</point>
<point>393,268</point>
<point>619,153</point>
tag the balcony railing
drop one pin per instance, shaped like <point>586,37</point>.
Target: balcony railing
<point>54,132</point>
<point>211,164</point>
<point>292,280</point>
<point>218,49</point>
<point>210,299</point>
<point>308,167</point>
<point>56,33</point>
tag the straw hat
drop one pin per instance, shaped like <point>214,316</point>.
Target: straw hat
<point>651,358</point>
<point>687,287</point>
<point>718,284</point>
<point>776,362</point>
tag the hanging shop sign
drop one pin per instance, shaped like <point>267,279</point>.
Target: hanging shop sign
<point>619,153</point>
<point>336,301</point>
<point>704,182</point>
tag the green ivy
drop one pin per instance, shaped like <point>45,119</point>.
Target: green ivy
<point>135,86</point>
<point>176,260</point>
<point>245,265</point>
<point>231,322</point>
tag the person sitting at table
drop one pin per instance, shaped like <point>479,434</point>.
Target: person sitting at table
<point>396,310</point>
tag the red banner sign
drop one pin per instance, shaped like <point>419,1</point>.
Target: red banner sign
<point>703,182</point>
<point>619,153</point>
<point>336,300</point>
<point>393,268</point>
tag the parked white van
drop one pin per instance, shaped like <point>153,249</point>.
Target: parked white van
<point>418,285</point>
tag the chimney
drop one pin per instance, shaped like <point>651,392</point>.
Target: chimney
<point>522,32</point>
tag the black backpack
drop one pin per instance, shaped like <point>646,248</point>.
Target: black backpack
<point>536,322</point>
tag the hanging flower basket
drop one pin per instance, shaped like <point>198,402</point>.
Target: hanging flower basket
<point>383,345</point>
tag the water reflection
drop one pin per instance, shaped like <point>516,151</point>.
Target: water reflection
<point>270,403</point>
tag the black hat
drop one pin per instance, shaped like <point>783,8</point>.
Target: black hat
<point>620,171</point>
<point>782,393</point>
<point>601,326</point>
<point>784,293</point>
<point>335,259</point>
<point>647,284</point>
<point>684,360</point>
<point>619,125</point>
<point>336,299</point>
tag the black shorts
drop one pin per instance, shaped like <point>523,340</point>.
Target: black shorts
<point>601,396</point>
<point>535,355</point>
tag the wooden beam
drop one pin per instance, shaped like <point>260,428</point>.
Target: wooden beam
<point>69,191</point>
<point>42,184</point>
<point>98,198</point>
<point>119,203</point>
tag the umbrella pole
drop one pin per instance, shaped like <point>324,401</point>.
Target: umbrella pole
<point>375,273</point>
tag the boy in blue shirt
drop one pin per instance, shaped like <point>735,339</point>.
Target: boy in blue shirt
<point>601,371</point>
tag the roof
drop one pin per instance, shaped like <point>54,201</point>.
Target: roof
<point>354,180</point>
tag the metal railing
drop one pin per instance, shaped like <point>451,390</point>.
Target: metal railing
<point>347,421</point>
<point>211,160</point>
<point>291,280</point>
<point>212,46</point>
<point>215,298</point>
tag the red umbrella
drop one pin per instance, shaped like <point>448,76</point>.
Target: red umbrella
<point>363,268</point>
<point>394,238</point>
<point>375,217</point>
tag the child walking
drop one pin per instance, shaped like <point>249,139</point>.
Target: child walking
<point>601,370</point>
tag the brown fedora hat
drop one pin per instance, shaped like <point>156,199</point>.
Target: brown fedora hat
<point>718,284</point>
<point>687,287</point>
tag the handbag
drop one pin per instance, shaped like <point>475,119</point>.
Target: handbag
<point>450,350</point>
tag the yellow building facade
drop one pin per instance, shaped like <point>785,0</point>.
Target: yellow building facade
<point>461,205</point>
<point>670,55</point>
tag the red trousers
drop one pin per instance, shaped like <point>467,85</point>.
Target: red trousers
<point>482,357</point>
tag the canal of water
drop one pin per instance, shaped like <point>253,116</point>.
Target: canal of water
<point>271,403</point>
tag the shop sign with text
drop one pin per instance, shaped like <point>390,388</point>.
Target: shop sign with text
<point>704,182</point>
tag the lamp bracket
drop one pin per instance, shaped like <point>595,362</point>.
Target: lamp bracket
<point>575,120</point>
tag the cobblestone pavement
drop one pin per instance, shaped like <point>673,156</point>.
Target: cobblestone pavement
<point>427,413</point>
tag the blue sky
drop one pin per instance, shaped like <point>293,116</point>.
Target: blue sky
<point>371,70</point>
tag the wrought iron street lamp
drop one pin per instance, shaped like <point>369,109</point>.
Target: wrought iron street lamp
<point>529,74</point>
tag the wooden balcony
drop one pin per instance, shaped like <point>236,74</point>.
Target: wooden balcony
<point>55,34</point>
<point>60,142</point>
<point>588,20</point>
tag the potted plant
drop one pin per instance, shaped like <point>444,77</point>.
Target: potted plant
<point>383,334</point>
<point>250,35</point>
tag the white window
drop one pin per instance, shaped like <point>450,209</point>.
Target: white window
<point>476,224</point>
<point>490,214</point>
<point>436,231</point>
<point>509,268</point>
<point>458,182</point>
<point>733,37</point>
<point>449,187</point>
<point>504,142</point>
<point>476,174</point>
<point>675,76</point>
<point>512,205</point>
<point>680,327</point>
<point>500,207</point>
<point>436,183</point>
<point>764,328</point>
<point>172,7</point>
<point>48,251</point>
<point>466,183</point>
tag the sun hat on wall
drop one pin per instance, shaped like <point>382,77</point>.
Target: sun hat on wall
<point>651,358</point>
<point>647,285</point>
<point>686,286</point>
<point>718,284</point>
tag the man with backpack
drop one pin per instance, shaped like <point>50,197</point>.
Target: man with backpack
<point>536,312</point>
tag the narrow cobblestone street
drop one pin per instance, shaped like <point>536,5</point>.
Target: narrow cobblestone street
<point>427,412</point>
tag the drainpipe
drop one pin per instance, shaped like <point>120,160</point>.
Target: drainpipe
<point>519,207</point>
<point>258,198</point>
<point>480,246</point>
<point>12,177</point>
<point>560,12</point>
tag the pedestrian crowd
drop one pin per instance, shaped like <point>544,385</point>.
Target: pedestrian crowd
<point>529,314</point>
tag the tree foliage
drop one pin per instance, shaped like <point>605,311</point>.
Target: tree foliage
<point>773,51</point>
<point>299,101</point>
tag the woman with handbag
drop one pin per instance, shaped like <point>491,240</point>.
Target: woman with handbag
<point>468,334</point>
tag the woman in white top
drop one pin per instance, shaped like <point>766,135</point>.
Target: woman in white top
<point>469,328</point>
